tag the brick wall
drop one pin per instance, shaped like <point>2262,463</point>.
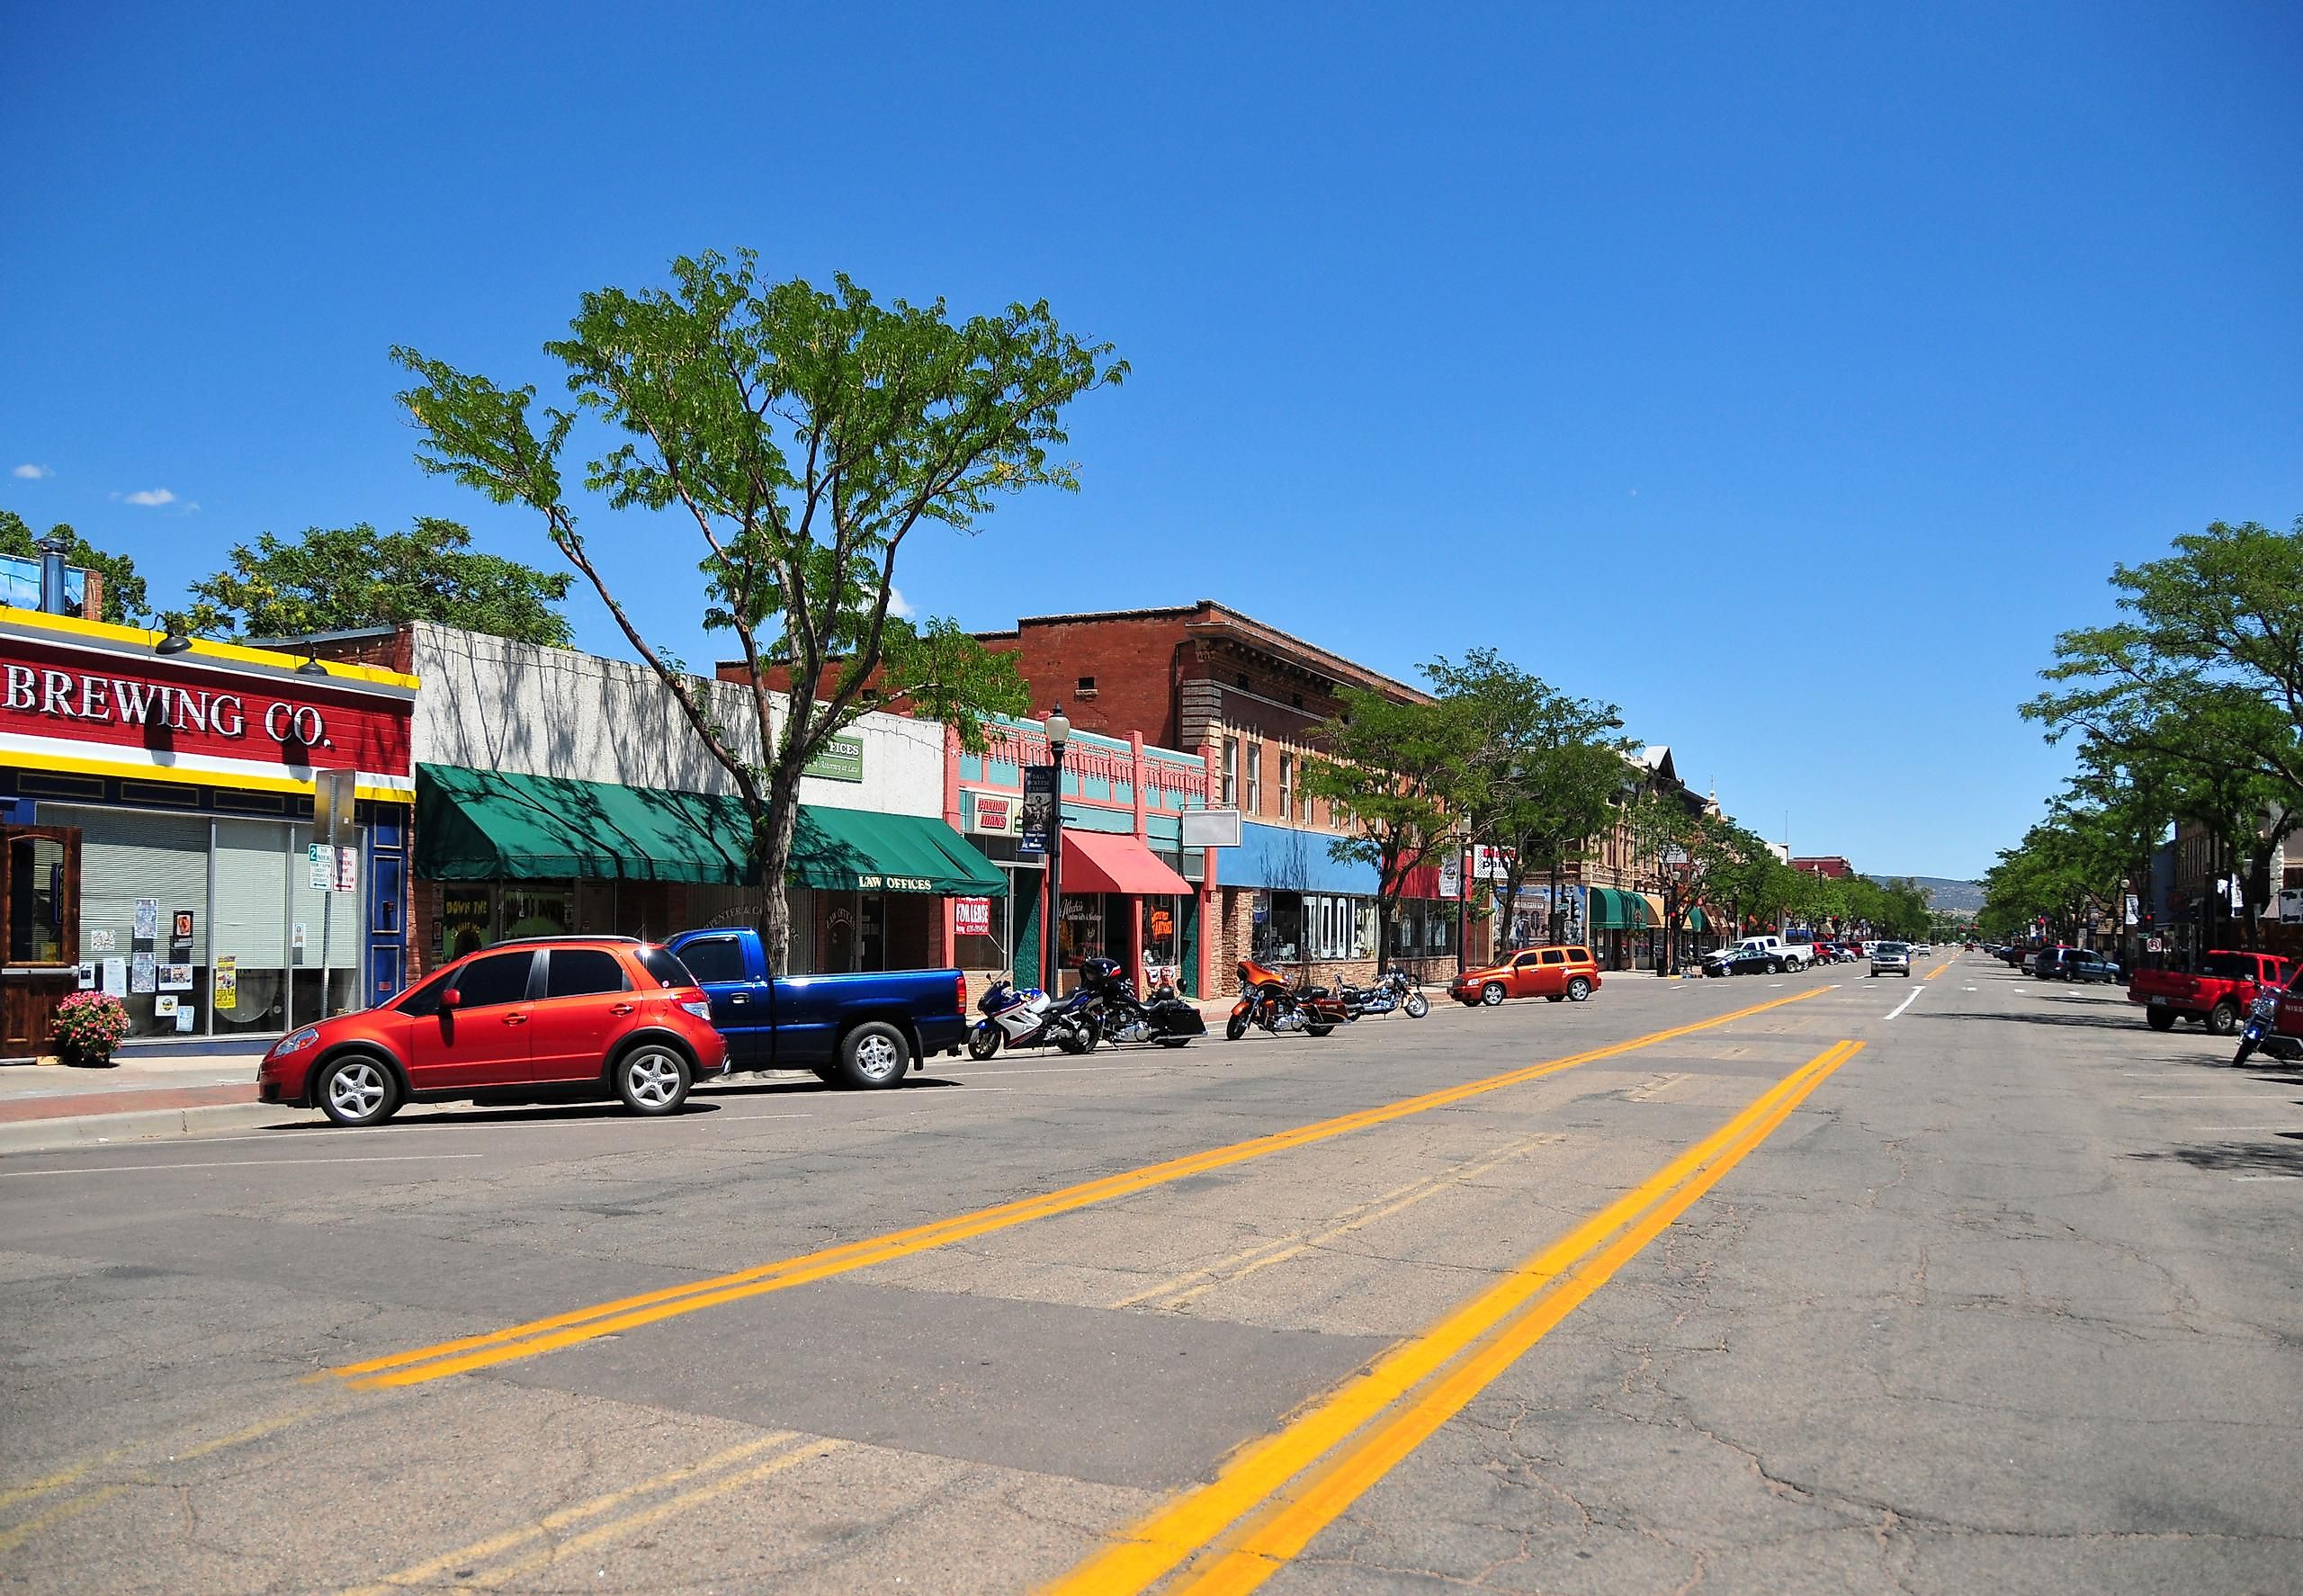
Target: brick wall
<point>1130,658</point>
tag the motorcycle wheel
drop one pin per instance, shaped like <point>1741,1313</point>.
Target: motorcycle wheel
<point>1317,1030</point>
<point>983,1042</point>
<point>1173,1041</point>
<point>1235,1027</point>
<point>1416,1006</point>
<point>2245,1047</point>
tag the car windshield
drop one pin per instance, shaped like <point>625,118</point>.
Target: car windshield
<point>1891,949</point>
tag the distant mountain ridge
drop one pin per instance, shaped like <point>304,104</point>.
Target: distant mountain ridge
<point>1952,897</point>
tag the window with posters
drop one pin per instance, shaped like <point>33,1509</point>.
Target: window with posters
<point>1162,943</point>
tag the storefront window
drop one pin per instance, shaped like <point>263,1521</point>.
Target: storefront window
<point>1362,933</point>
<point>1279,935</point>
<point>532,912</point>
<point>36,889</point>
<point>1083,929</point>
<point>125,856</point>
<point>1162,941</point>
<point>1438,928</point>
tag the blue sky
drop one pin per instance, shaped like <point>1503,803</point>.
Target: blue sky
<point>1787,375</point>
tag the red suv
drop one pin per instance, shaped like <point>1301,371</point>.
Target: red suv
<point>558,1018</point>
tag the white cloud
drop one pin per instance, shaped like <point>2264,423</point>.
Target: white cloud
<point>32,474</point>
<point>148,497</point>
<point>899,606</point>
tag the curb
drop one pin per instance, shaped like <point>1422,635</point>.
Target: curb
<point>138,1125</point>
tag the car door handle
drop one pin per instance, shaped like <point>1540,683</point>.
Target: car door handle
<point>620,1007</point>
<point>737,998</point>
<point>515,1019</point>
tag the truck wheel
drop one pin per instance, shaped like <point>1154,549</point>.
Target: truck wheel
<point>2223,1019</point>
<point>1578,989</point>
<point>357,1090</point>
<point>874,1057</point>
<point>2159,1020</point>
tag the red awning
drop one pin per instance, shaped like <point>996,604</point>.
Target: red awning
<point>1104,862</point>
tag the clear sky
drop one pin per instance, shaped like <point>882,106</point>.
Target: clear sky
<point>1785,375</point>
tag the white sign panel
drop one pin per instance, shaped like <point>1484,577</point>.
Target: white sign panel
<point>1211,828</point>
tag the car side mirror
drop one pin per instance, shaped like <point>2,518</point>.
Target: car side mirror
<point>450,999</point>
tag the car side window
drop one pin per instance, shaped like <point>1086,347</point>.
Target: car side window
<point>580,971</point>
<point>1551,956</point>
<point>497,979</point>
<point>1582,956</point>
<point>1527,961</point>
<point>663,966</point>
<point>424,1001</point>
<point>714,958</point>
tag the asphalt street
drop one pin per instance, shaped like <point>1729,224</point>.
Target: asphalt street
<point>1775,1284</point>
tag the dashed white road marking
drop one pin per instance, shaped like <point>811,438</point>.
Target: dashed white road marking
<point>1907,1002</point>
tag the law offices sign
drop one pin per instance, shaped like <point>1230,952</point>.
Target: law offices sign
<point>80,695</point>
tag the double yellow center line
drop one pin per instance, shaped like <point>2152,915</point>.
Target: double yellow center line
<point>1268,1501</point>
<point>583,1324</point>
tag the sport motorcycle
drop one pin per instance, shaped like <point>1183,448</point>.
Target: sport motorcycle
<point>1027,1016</point>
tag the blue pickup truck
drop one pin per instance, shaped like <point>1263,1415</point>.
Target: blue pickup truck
<point>854,1030</point>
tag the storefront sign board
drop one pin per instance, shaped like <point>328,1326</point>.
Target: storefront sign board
<point>972,917</point>
<point>894,884</point>
<point>840,761</point>
<point>994,817</point>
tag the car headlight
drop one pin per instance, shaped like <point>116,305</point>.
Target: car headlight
<point>702,1010</point>
<point>297,1042</point>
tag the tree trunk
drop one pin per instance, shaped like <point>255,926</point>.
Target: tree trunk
<point>772,831</point>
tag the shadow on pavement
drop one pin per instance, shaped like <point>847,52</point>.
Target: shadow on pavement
<point>2101,1022</point>
<point>2283,1156</point>
<point>517,1114</point>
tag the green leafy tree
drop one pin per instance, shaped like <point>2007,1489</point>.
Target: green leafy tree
<point>803,434</point>
<point>342,578</point>
<point>1672,829</point>
<point>122,602</point>
<point>1391,768</point>
<point>1540,771</point>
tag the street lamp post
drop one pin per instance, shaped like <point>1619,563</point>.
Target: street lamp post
<point>1059,733</point>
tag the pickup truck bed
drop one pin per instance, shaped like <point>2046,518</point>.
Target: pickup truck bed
<point>2217,994</point>
<point>864,1030</point>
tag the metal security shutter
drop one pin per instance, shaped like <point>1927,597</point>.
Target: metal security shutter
<point>126,855</point>
<point>252,893</point>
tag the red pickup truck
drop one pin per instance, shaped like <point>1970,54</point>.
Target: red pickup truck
<point>2217,994</point>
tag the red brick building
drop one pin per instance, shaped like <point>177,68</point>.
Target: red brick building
<point>1829,865</point>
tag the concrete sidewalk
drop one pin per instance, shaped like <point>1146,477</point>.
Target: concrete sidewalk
<point>45,1105</point>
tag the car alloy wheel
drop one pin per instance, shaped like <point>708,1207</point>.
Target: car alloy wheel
<point>651,1078</point>
<point>874,1057</point>
<point>1578,990</point>
<point>1491,993</point>
<point>357,1090</point>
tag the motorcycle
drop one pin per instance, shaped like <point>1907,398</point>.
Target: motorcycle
<point>2263,1017</point>
<point>1123,1017</point>
<point>1399,990</point>
<point>1027,1016</point>
<point>1267,1002</point>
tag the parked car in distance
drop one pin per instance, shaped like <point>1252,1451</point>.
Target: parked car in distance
<point>1561,974</point>
<point>1793,956</point>
<point>542,1019</point>
<point>2218,995</point>
<point>861,1029</point>
<point>2045,962</point>
<point>2073,963</point>
<point>1744,960</point>
<point>1891,958</point>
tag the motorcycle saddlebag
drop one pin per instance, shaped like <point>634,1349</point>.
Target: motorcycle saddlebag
<point>1177,1017</point>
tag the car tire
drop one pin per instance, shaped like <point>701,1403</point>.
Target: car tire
<point>357,1088</point>
<point>874,1057</point>
<point>1491,993</point>
<point>1554,997</point>
<point>2223,1019</point>
<point>2159,1020</point>
<point>652,1079</point>
<point>1578,989</point>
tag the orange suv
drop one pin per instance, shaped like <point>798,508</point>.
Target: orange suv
<point>1555,974</point>
<point>542,1019</point>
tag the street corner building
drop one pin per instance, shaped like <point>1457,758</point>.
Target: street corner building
<point>157,797</point>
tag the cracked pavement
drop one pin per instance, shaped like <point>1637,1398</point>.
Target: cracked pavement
<point>2012,1299</point>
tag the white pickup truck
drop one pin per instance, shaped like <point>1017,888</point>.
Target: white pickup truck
<point>1796,955</point>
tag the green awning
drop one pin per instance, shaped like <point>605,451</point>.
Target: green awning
<point>1696,919</point>
<point>859,851</point>
<point>488,825</point>
<point>1616,910</point>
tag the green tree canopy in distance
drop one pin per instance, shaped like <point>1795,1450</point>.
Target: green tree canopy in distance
<point>345,579</point>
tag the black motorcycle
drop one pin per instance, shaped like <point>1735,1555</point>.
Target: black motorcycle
<point>1121,1016</point>
<point>1398,990</point>
<point>2263,1017</point>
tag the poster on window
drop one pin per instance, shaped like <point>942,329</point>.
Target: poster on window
<point>176,978</point>
<point>143,974</point>
<point>227,978</point>
<point>164,1007</point>
<point>464,923</point>
<point>115,977</point>
<point>147,920</point>
<point>972,917</point>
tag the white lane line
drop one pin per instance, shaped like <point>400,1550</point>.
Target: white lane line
<point>1966,988</point>
<point>1907,1002</point>
<point>245,1163</point>
<point>2267,1176</point>
<point>2247,1128</point>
